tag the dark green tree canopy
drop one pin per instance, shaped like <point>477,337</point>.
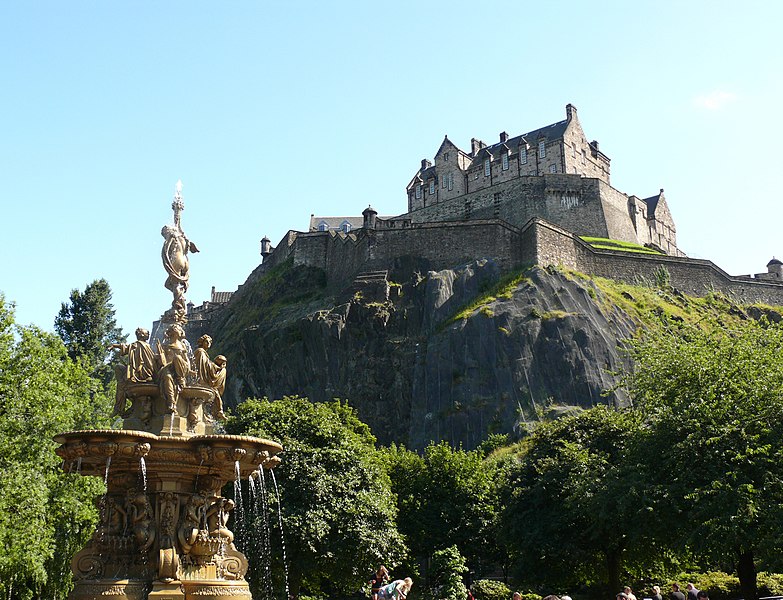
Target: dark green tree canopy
<point>713,397</point>
<point>87,326</point>
<point>446,497</point>
<point>337,501</point>
<point>575,506</point>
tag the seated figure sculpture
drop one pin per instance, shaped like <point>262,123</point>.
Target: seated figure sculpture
<point>141,367</point>
<point>211,374</point>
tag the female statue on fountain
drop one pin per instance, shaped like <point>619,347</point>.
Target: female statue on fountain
<point>176,366</point>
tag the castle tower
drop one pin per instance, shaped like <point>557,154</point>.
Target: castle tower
<point>370,215</point>
<point>266,247</point>
<point>775,268</point>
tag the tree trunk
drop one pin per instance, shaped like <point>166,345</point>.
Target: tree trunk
<point>613,561</point>
<point>746,571</point>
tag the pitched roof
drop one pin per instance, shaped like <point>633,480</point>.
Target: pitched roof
<point>551,132</point>
<point>221,297</point>
<point>335,223</point>
<point>652,203</point>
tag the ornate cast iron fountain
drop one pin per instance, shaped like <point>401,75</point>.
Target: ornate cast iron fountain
<point>162,532</point>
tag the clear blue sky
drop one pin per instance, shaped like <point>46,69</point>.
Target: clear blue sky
<point>269,112</point>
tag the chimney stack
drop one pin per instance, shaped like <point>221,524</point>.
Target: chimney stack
<point>570,111</point>
<point>503,137</point>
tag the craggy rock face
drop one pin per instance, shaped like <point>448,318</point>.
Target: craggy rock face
<point>400,347</point>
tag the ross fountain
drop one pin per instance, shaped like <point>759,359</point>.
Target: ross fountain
<point>162,532</point>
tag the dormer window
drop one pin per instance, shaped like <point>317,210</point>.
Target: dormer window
<point>346,227</point>
<point>432,187</point>
<point>322,226</point>
<point>522,155</point>
<point>418,192</point>
<point>541,149</point>
<point>504,161</point>
<point>487,167</point>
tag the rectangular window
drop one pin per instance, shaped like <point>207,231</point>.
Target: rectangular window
<point>418,192</point>
<point>541,149</point>
<point>522,155</point>
<point>451,181</point>
<point>443,182</point>
<point>553,168</point>
<point>505,161</point>
<point>467,209</point>
<point>496,205</point>
<point>487,167</point>
<point>432,187</point>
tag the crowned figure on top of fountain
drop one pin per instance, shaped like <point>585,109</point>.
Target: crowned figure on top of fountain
<point>175,259</point>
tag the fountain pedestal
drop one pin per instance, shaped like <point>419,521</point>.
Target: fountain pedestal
<point>165,538</point>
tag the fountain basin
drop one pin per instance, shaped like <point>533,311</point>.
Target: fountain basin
<point>163,529</point>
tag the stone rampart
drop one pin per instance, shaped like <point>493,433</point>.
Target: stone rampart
<point>696,277</point>
<point>450,243</point>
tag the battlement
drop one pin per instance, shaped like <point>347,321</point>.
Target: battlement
<point>446,244</point>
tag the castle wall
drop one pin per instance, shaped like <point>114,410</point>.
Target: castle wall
<point>570,201</point>
<point>539,242</point>
<point>445,245</point>
<point>578,156</point>
<point>616,212</point>
<point>555,246</point>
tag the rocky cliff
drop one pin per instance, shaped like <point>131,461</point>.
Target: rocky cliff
<point>439,355</point>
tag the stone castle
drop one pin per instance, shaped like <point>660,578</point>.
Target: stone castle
<point>539,198</point>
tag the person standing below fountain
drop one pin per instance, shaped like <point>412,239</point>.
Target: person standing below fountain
<point>211,374</point>
<point>176,366</point>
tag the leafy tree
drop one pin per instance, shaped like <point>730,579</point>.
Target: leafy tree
<point>45,515</point>
<point>489,589</point>
<point>714,401</point>
<point>336,496</point>
<point>575,506</point>
<point>446,497</point>
<point>446,573</point>
<point>87,326</point>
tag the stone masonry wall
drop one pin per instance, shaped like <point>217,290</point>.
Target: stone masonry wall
<point>570,201</point>
<point>696,277</point>
<point>539,242</point>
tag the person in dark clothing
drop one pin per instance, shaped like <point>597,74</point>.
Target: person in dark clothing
<point>380,577</point>
<point>702,595</point>
<point>676,593</point>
